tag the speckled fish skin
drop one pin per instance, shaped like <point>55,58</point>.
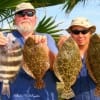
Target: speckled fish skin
<point>37,61</point>
<point>93,61</point>
<point>10,61</point>
<point>67,66</point>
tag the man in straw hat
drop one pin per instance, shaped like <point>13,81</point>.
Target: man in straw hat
<point>81,30</point>
<point>22,88</point>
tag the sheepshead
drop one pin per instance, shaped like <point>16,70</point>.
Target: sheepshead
<point>67,66</point>
<point>10,60</point>
<point>93,61</point>
<point>36,60</point>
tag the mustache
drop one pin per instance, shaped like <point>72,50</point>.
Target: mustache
<point>23,21</point>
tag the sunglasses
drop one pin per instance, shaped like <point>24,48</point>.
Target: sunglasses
<point>28,13</point>
<point>76,32</point>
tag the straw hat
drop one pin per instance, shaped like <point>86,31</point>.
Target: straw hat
<point>83,22</point>
<point>24,6</point>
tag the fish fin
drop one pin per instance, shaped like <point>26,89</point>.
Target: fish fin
<point>39,84</point>
<point>97,91</point>
<point>67,94</point>
<point>6,88</point>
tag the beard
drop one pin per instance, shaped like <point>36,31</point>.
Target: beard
<point>25,27</point>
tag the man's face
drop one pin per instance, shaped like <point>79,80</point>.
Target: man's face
<point>81,35</point>
<point>25,21</point>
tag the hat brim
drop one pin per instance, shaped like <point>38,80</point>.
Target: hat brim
<point>92,28</point>
<point>24,9</point>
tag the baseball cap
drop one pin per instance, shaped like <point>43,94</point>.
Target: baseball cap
<point>83,22</point>
<point>24,6</point>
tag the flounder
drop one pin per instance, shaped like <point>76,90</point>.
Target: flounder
<point>93,61</point>
<point>67,66</point>
<point>36,60</point>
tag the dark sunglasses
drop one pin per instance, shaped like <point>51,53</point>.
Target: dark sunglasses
<point>28,13</point>
<point>76,32</point>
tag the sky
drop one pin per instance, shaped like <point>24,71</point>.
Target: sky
<point>90,10</point>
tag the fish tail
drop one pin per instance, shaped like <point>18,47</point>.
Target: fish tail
<point>39,84</point>
<point>5,88</point>
<point>67,94</point>
<point>97,91</point>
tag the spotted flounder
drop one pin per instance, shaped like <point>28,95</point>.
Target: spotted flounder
<point>67,66</point>
<point>36,60</point>
<point>93,61</point>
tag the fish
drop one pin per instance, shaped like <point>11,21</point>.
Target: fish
<point>93,61</point>
<point>10,62</point>
<point>36,61</point>
<point>67,66</point>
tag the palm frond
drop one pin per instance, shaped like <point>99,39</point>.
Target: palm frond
<point>47,25</point>
<point>70,4</point>
<point>10,4</point>
<point>46,3</point>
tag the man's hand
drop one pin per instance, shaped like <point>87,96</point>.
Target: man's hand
<point>3,39</point>
<point>39,39</point>
<point>62,39</point>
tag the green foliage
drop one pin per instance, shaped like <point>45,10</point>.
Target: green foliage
<point>70,4</point>
<point>10,4</point>
<point>47,25</point>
